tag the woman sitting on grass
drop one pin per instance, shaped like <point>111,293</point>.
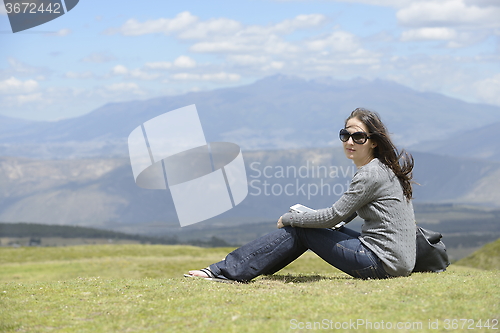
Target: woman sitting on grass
<point>380,193</point>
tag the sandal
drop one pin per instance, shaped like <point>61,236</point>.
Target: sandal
<point>210,276</point>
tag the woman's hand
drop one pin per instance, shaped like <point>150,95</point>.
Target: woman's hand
<point>280,223</point>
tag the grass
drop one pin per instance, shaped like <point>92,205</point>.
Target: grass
<point>488,257</point>
<point>140,288</point>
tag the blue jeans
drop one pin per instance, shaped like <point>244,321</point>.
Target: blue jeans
<point>270,253</point>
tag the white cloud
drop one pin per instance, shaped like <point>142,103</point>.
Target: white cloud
<point>166,26</point>
<point>16,93</point>
<point>188,26</point>
<point>488,89</point>
<point>19,68</point>
<point>184,62</point>
<point>448,13</point>
<point>161,65</point>
<point>98,58</point>
<point>222,76</point>
<point>224,35</point>
<point>79,75</point>
<point>153,70</point>
<point>247,59</point>
<point>263,63</point>
<point>483,3</point>
<point>466,38</point>
<point>125,88</point>
<point>134,73</point>
<point>385,3</point>
<point>440,33</point>
<point>15,86</point>
<point>179,62</point>
<point>257,43</point>
<point>261,48</point>
<point>63,32</point>
<point>186,76</point>
<point>222,47</point>
<point>443,74</point>
<point>141,75</point>
<point>297,23</point>
<point>406,3</point>
<point>28,98</point>
<point>119,70</point>
<point>274,65</point>
<point>337,41</point>
<point>263,39</point>
<point>460,22</point>
<point>200,30</point>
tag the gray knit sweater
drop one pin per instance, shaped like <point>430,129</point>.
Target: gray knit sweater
<point>376,195</point>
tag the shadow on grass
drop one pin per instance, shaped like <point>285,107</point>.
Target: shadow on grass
<point>302,278</point>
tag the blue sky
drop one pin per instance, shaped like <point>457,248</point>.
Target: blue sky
<point>111,51</point>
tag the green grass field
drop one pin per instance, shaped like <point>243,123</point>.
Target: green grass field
<point>140,288</point>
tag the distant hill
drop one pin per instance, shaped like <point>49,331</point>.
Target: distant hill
<point>9,124</point>
<point>277,112</point>
<point>488,257</point>
<point>102,192</point>
<point>38,232</point>
<point>43,230</point>
<point>473,143</point>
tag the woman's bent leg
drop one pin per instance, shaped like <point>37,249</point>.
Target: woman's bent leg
<point>343,251</point>
<point>270,253</point>
<point>265,255</point>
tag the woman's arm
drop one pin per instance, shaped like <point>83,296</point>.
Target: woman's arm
<point>360,192</point>
<point>280,223</point>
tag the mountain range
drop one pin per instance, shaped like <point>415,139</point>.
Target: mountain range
<point>277,112</point>
<point>76,171</point>
<point>475,143</point>
<point>102,192</point>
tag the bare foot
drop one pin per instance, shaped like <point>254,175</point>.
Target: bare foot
<point>198,273</point>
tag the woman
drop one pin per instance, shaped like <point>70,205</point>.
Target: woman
<point>380,193</point>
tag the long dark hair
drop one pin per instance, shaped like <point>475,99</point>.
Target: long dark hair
<point>401,163</point>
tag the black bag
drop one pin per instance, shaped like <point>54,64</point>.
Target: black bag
<point>431,252</point>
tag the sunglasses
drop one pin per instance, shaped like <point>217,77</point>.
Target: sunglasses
<point>357,137</point>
